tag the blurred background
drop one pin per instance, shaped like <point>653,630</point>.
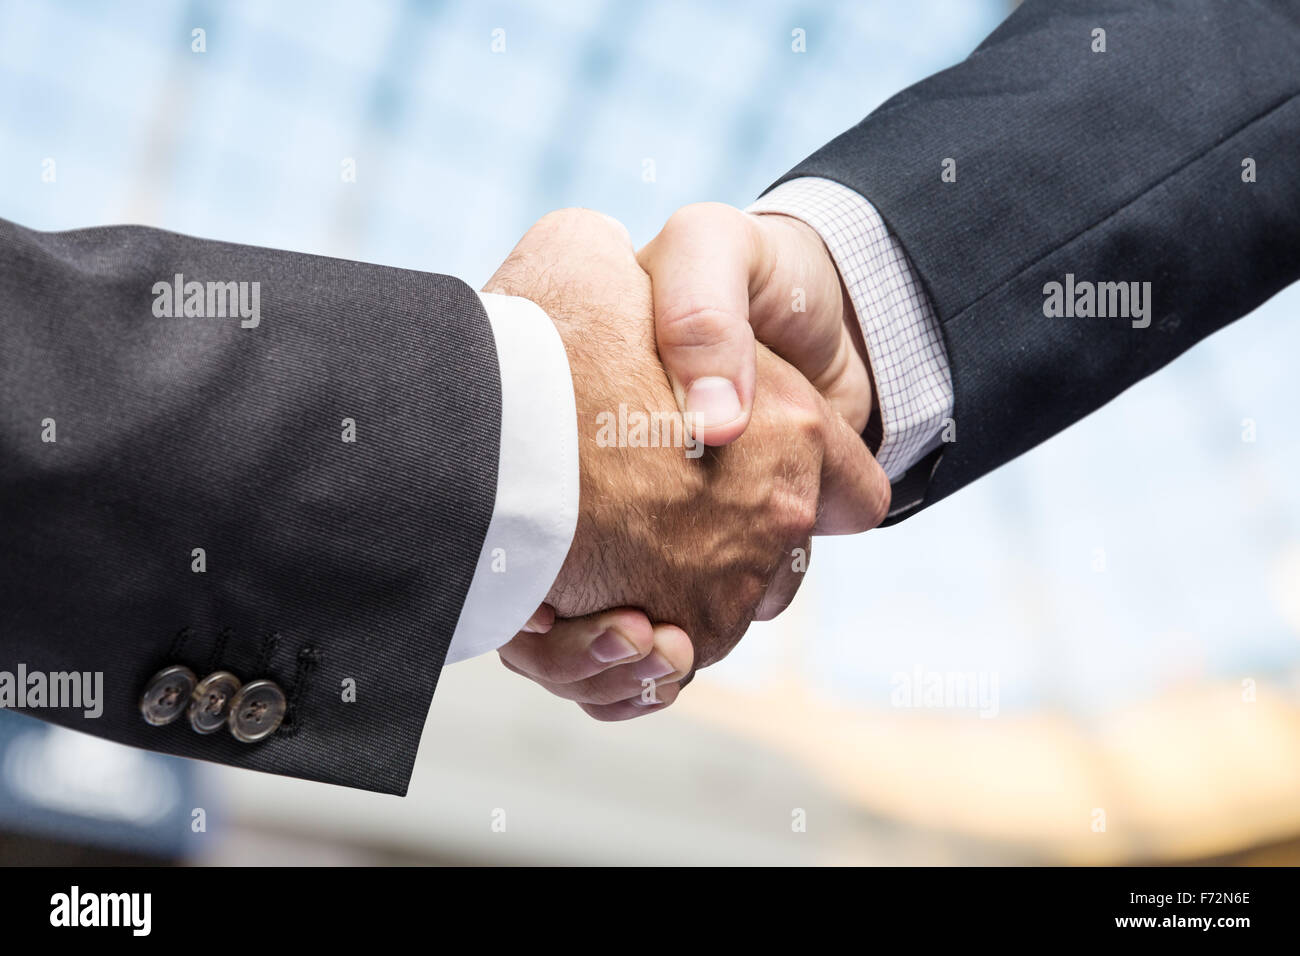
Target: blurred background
<point>1090,656</point>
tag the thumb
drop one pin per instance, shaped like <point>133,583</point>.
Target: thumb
<point>701,267</point>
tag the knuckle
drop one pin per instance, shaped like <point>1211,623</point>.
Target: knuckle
<point>881,511</point>
<point>795,511</point>
<point>803,418</point>
<point>696,215</point>
<point>692,324</point>
<point>581,222</point>
<point>803,518</point>
<point>568,216</point>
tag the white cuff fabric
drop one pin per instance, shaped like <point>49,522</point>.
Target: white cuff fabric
<point>904,343</point>
<point>536,511</point>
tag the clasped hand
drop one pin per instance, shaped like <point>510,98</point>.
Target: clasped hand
<point>675,554</point>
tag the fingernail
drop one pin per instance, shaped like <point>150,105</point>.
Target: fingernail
<point>612,646</point>
<point>713,401</point>
<point>542,620</point>
<point>652,668</point>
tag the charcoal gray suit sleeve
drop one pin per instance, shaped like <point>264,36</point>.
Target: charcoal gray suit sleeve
<point>1127,165</point>
<point>129,440</point>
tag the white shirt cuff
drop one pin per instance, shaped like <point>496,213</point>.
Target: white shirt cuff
<point>904,344</point>
<point>536,510</point>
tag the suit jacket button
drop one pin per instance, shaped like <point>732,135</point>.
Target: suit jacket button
<point>256,711</point>
<point>166,695</point>
<point>210,701</point>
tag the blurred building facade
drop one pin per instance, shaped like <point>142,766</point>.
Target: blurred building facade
<point>1126,596</point>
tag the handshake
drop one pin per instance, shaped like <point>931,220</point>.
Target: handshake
<point>737,329</point>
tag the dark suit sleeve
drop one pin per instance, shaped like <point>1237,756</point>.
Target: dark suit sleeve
<point>326,561</point>
<point>1123,165</point>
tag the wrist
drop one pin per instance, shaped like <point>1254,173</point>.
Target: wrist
<point>873,433</point>
<point>799,259</point>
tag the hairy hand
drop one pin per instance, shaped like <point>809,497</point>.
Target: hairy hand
<point>709,542</point>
